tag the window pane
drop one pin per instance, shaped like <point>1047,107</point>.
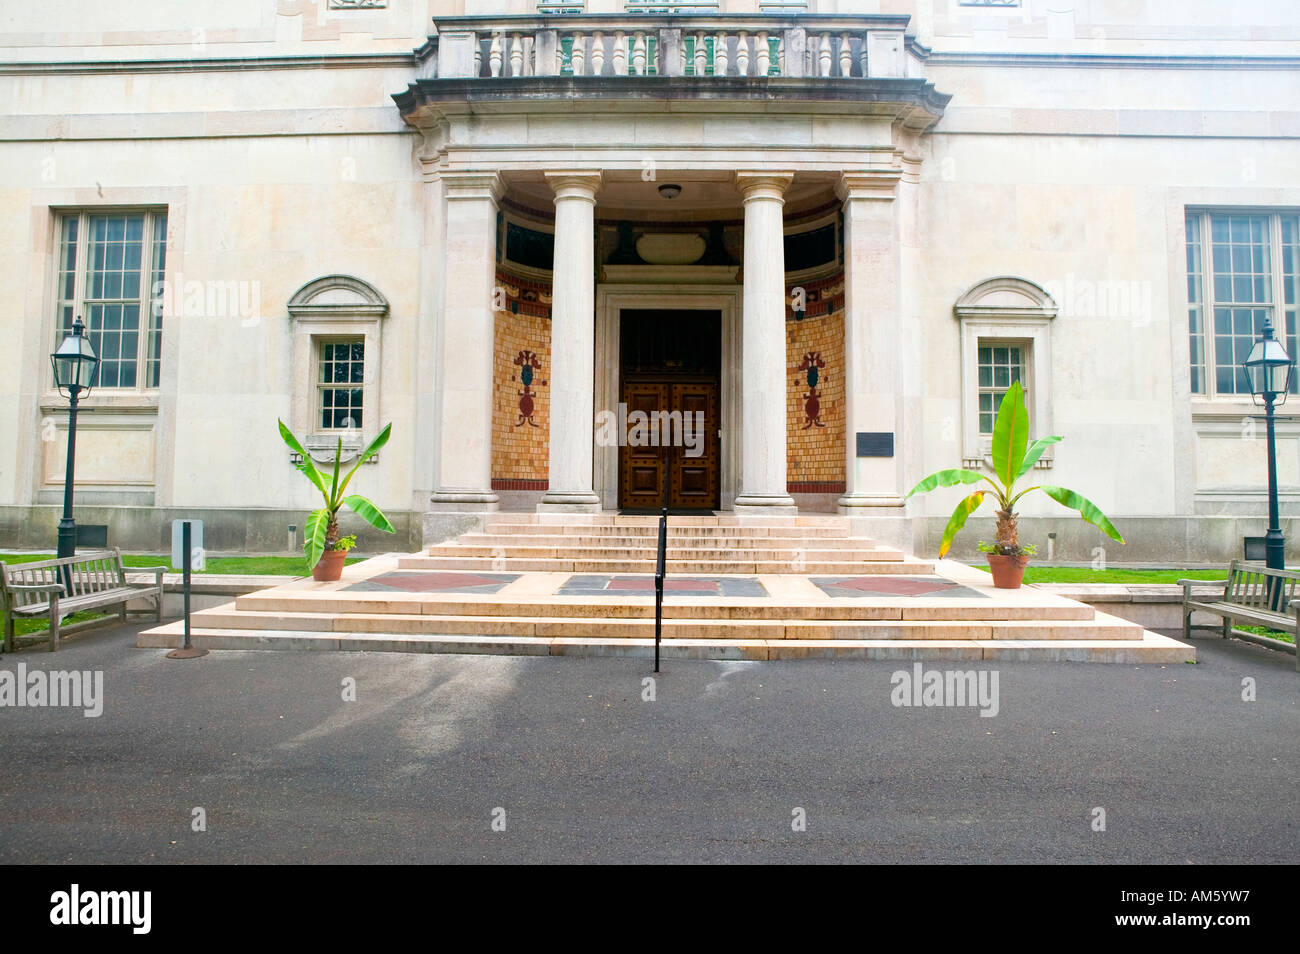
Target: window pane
<point>341,363</point>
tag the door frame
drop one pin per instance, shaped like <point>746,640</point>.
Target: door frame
<point>610,301</point>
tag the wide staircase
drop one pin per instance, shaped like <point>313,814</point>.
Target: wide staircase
<point>627,544</point>
<point>737,588</point>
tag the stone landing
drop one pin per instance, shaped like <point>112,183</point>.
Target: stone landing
<point>779,588</point>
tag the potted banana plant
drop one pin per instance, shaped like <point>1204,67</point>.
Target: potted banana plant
<point>326,550</point>
<point>1013,457</point>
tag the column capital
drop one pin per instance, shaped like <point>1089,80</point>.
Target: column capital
<point>874,184</point>
<point>575,183</point>
<point>473,185</point>
<point>763,185</point>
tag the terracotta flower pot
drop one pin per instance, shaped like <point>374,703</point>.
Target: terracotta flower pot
<point>1008,571</point>
<point>330,567</point>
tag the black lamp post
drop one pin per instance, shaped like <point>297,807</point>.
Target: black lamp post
<point>1269,369</point>
<point>74,368</point>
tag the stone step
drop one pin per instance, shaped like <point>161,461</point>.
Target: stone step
<point>562,565</point>
<point>738,610</point>
<point>1101,627</point>
<point>706,554</point>
<point>802,535</point>
<point>651,540</point>
<point>1151,648</point>
<point>646,520</point>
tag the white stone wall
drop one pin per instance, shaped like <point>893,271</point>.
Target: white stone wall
<point>1063,174</point>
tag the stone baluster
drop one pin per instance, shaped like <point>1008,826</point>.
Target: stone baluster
<point>494,55</point>
<point>478,58</point>
<point>638,54</point>
<point>824,55</point>
<point>862,57</point>
<point>764,54</point>
<point>516,55</point>
<point>701,55</point>
<point>578,55</point>
<point>597,53</point>
<point>742,53</point>
<point>720,55</point>
<point>620,53</point>
<point>846,55</point>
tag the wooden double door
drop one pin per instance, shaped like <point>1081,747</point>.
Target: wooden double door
<point>679,443</point>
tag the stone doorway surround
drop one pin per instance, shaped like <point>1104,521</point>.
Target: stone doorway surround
<point>611,299</point>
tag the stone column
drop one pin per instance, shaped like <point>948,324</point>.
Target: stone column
<point>763,412</point>
<point>464,480</point>
<point>573,344</point>
<point>872,313</point>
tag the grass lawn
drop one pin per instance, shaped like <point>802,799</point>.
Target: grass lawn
<point>1084,574</point>
<point>25,627</point>
<point>1261,631</point>
<point>253,566</point>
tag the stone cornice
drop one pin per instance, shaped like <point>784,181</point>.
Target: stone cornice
<point>1112,60</point>
<point>913,102</point>
<point>219,64</point>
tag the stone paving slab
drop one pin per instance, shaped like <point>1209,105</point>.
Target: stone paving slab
<point>1152,648</point>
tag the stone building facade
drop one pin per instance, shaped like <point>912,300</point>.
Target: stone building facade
<point>831,232</point>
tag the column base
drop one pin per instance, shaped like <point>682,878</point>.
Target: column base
<point>870,504</point>
<point>456,501</point>
<point>764,504</point>
<point>569,501</point>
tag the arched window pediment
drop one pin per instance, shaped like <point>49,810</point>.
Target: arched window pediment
<point>1006,296</point>
<point>338,296</point>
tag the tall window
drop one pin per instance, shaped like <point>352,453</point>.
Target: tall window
<point>1242,268</point>
<point>110,271</point>
<point>340,381</point>
<point>1000,363</point>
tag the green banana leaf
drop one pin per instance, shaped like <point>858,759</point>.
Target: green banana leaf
<point>314,536</point>
<point>307,466</point>
<point>333,500</point>
<point>1036,451</point>
<point>1087,509</point>
<point>946,478</point>
<point>369,512</point>
<point>380,440</point>
<point>1010,435</point>
<point>958,519</point>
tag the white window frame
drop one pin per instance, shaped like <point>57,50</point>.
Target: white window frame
<point>144,345</point>
<point>318,359</point>
<point>335,308</point>
<point>1005,309</point>
<point>1026,347</point>
<point>1276,308</point>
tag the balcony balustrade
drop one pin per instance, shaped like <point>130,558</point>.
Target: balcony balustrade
<point>693,44</point>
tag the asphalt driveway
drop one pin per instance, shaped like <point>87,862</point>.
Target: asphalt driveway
<point>476,758</point>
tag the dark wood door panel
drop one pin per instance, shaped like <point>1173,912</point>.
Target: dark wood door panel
<point>686,448</point>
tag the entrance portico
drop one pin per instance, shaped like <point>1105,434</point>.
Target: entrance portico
<point>636,185</point>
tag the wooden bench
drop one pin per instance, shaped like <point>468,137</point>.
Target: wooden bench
<point>1252,593</point>
<point>55,588</point>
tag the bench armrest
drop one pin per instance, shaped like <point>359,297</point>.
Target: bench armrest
<point>36,587</point>
<point>1187,583</point>
<point>148,569</point>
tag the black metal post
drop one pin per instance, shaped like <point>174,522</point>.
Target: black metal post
<point>661,562</point>
<point>1274,542</point>
<point>68,526</point>
<point>185,571</point>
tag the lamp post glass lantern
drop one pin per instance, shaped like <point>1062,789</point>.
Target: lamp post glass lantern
<point>1269,370</point>
<point>75,364</point>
